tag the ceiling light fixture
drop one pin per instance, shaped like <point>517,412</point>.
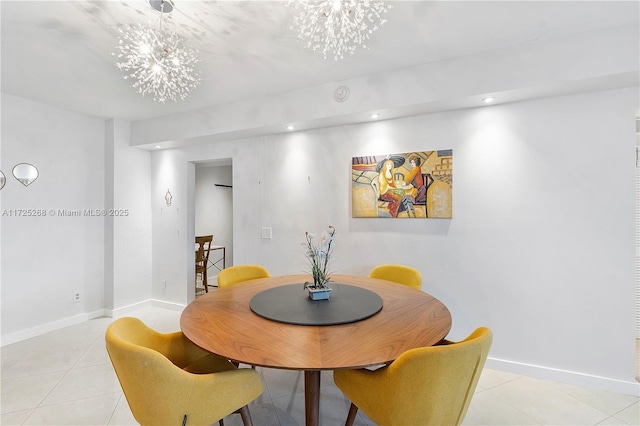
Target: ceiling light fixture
<point>488,100</point>
<point>374,115</point>
<point>158,60</point>
<point>336,27</point>
<point>290,128</point>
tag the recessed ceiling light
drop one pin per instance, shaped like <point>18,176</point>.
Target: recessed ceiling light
<point>290,127</point>
<point>157,146</point>
<point>374,115</point>
<point>488,100</point>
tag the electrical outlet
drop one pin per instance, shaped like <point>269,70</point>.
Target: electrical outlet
<point>164,283</point>
<point>76,297</point>
<point>266,232</point>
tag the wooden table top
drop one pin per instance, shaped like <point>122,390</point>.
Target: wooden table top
<point>222,323</point>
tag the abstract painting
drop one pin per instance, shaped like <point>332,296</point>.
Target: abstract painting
<point>409,185</point>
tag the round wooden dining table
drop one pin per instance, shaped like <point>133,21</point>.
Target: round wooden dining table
<point>223,323</point>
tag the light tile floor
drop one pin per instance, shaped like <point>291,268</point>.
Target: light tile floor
<point>65,378</point>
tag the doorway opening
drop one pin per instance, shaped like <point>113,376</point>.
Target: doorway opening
<point>213,211</point>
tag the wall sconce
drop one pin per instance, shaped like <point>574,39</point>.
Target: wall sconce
<point>25,173</point>
<point>168,197</point>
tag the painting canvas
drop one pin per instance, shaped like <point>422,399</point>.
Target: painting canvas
<point>409,185</point>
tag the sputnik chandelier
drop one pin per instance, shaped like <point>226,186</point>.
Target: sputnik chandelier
<point>158,60</point>
<point>336,27</point>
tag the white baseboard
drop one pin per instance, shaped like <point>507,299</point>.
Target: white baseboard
<point>168,305</point>
<point>77,319</point>
<point>125,310</point>
<point>565,376</point>
<point>51,326</point>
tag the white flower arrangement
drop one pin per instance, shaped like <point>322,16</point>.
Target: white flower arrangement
<point>319,255</point>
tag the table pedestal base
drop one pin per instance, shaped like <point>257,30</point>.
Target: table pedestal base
<point>312,397</point>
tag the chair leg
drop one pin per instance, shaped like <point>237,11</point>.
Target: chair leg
<point>246,416</point>
<point>353,410</point>
<point>221,422</point>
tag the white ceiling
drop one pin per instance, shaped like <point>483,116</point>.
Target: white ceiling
<point>59,52</point>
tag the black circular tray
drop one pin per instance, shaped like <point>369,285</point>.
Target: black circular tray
<point>290,304</point>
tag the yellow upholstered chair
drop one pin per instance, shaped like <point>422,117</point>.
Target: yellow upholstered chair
<point>169,380</point>
<point>399,274</point>
<point>424,386</point>
<point>239,273</point>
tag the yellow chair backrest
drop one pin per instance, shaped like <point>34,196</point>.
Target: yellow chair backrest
<point>153,370</point>
<point>239,273</point>
<point>425,386</point>
<point>399,274</point>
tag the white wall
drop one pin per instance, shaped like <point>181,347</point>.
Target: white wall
<point>84,164</point>
<point>540,248</point>
<point>214,211</point>
<point>46,259</point>
<point>132,222</point>
<point>173,232</point>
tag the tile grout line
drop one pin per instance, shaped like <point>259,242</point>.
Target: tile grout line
<point>560,389</point>
<point>626,408</point>
<point>115,408</point>
<point>511,405</point>
<point>45,397</point>
<point>67,371</point>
